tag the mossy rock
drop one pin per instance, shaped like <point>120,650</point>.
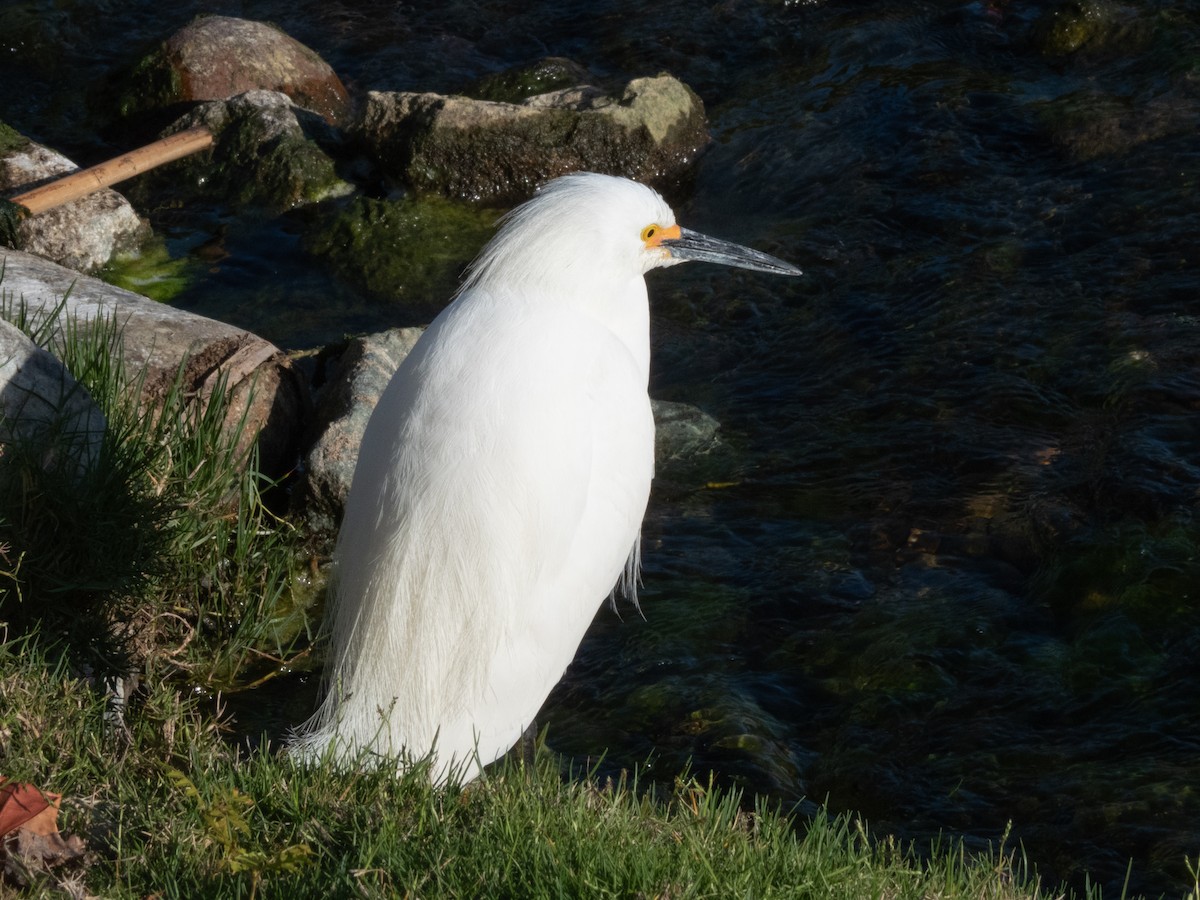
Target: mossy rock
<point>11,139</point>
<point>1089,25</point>
<point>266,154</point>
<point>150,85</point>
<point>11,214</point>
<point>650,130</point>
<point>554,73</point>
<point>1148,572</point>
<point>288,171</point>
<point>412,250</point>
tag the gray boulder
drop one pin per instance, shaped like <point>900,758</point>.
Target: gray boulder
<point>356,380</point>
<point>160,343</point>
<point>85,234</point>
<point>44,411</point>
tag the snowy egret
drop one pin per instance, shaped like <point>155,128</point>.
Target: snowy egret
<point>501,483</point>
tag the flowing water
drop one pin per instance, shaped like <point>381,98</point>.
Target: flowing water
<point>943,569</point>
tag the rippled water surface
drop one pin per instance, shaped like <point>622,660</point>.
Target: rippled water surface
<point>943,569</point>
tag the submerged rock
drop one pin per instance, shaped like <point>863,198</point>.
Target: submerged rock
<point>1090,26</point>
<point>410,251</point>
<point>217,57</point>
<point>153,272</point>
<point>85,234</point>
<point>681,431</point>
<point>498,152</point>
<point>1087,124</point>
<point>265,152</point>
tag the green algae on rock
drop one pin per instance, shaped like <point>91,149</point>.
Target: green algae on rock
<point>11,139</point>
<point>153,272</point>
<point>264,155</point>
<point>411,251</point>
<point>554,73</point>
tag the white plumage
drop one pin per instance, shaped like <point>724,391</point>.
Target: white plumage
<point>501,483</point>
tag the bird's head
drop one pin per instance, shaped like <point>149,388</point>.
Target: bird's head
<point>588,229</point>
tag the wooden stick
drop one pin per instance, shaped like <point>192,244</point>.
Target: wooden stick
<point>88,181</point>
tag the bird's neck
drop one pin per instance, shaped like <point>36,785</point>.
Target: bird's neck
<point>621,307</point>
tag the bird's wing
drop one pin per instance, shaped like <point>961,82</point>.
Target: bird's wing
<point>501,483</point>
<point>606,454</point>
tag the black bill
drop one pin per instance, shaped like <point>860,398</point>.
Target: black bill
<point>691,245</point>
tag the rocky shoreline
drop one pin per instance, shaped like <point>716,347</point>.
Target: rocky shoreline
<point>288,134</point>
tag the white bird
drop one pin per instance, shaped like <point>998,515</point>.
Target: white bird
<point>501,483</point>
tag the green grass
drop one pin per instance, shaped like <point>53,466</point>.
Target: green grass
<point>164,541</point>
<point>174,567</point>
<point>169,808</point>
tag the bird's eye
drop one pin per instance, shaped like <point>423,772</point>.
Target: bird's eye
<point>649,232</point>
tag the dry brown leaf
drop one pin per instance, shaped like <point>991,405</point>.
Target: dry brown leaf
<point>33,815</point>
<point>20,803</point>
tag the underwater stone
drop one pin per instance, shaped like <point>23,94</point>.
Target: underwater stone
<point>410,251</point>
<point>681,430</point>
<point>1089,26</point>
<point>1087,124</point>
